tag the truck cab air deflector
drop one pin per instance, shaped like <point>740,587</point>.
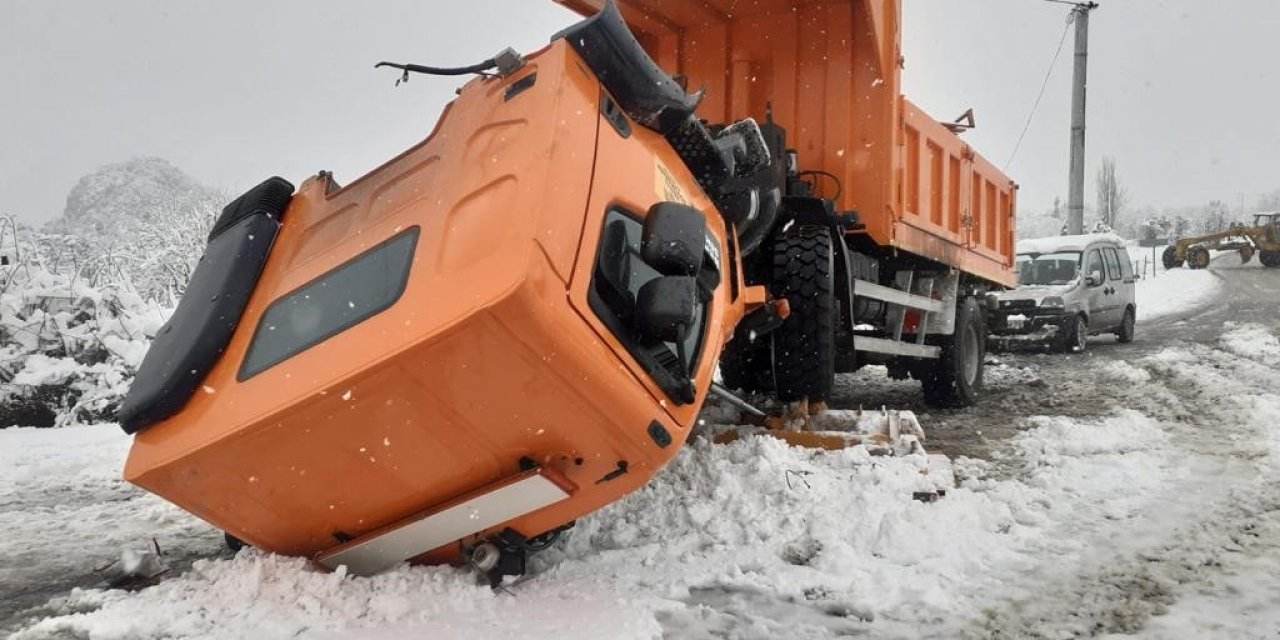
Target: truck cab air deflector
<point>733,164</point>
<point>643,89</point>
<point>189,345</point>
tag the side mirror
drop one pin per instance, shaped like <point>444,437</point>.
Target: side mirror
<point>667,307</point>
<point>1094,278</point>
<point>674,239</point>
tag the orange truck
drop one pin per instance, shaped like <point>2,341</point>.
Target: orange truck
<point>517,321</point>
<point>897,227</point>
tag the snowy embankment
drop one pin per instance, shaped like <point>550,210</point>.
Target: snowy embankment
<point>1180,291</point>
<point>755,536</point>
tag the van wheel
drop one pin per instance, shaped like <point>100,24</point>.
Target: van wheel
<point>1170,258</point>
<point>955,379</point>
<point>1127,326</point>
<point>804,346</point>
<point>1074,337</point>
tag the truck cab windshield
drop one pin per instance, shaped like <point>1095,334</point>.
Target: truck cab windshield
<point>1048,268</point>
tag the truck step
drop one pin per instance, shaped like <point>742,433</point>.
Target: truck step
<point>895,348</point>
<point>864,289</point>
<point>506,500</point>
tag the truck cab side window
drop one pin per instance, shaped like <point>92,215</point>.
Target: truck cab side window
<point>619,274</point>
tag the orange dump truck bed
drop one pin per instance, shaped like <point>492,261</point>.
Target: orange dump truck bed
<point>831,70</point>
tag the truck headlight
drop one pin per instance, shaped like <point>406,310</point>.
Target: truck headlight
<point>1052,302</point>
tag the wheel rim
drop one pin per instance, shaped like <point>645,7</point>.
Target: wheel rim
<point>1082,334</point>
<point>971,363</point>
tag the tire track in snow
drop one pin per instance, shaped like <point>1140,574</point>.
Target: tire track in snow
<point>1219,410</point>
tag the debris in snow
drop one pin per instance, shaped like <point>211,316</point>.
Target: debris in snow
<point>134,569</point>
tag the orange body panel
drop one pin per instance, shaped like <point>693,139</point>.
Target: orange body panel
<point>490,356</point>
<point>831,70</point>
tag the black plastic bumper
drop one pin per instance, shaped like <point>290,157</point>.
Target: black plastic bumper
<point>190,344</point>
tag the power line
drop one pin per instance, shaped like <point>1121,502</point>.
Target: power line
<point>1044,85</point>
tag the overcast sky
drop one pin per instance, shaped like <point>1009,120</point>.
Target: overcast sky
<point>1183,93</point>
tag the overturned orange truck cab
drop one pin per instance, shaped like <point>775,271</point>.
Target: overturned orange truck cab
<point>510,325</point>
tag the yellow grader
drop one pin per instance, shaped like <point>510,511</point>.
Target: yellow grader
<point>1263,238</point>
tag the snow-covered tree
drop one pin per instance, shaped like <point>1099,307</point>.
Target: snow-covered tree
<point>81,299</point>
<point>141,224</point>
<point>1112,196</point>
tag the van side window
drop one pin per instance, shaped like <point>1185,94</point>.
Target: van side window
<point>1126,267</point>
<point>1113,264</point>
<point>1093,263</point>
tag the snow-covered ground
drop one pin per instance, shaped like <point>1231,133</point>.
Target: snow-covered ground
<point>1162,293</point>
<point>1153,509</point>
<point>1174,292</point>
<point>755,537</point>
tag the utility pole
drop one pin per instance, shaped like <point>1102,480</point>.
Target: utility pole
<point>1075,186</point>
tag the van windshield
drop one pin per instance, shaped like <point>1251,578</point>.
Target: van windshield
<point>1048,268</point>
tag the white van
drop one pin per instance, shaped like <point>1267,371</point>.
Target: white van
<point>1069,288</point>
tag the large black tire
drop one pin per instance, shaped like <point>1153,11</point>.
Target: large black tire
<point>1197,257</point>
<point>955,379</point>
<point>1073,337</point>
<point>747,365</point>
<point>1170,258</point>
<point>1128,326</point>
<point>804,346</point>
<point>1269,258</point>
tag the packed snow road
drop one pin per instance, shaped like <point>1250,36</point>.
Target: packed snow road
<point>1131,489</point>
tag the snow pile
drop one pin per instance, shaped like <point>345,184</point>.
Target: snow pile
<point>1180,291</point>
<point>1252,341</point>
<point>265,596</point>
<point>1123,372</point>
<point>1059,440</point>
<point>68,351</point>
<point>751,539</point>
